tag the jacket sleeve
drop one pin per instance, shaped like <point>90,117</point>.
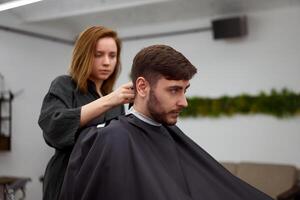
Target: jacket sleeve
<point>58,119</point>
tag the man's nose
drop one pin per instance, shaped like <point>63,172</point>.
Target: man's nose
<point>183,102</point>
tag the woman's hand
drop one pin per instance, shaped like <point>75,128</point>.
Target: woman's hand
<point>124,94</point>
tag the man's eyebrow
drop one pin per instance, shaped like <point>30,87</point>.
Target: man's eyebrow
<point>179,87</point>
<point>175,87</point>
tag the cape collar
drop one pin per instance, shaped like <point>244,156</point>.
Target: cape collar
<point>144,118</point>
<point>135,121</point>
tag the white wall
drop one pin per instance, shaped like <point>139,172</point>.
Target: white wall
<point>29,64</point>
<point>267,58</point>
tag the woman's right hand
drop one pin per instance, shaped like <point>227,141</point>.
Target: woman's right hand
<point>124,94</point>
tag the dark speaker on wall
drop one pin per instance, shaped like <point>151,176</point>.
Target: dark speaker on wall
<point>233,27</point>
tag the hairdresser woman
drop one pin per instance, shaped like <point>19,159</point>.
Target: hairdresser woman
<point>83,98</point>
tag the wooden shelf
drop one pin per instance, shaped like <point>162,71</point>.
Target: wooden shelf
<point>5,119</point>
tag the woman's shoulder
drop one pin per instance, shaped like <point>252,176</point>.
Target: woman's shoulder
<point>62,79</point>
<point>62,83</point>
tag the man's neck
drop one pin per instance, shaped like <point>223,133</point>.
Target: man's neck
<point>143,116</point>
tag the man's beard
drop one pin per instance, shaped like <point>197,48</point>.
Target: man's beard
<point>156,112</point>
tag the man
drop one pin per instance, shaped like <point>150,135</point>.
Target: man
<point>144,156</point>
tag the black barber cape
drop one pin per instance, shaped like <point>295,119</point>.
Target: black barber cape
<point>132,160</point>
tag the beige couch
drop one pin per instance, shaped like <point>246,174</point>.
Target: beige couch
<point>277,180</point>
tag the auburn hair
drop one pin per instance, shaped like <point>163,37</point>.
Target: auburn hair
<point>83,58</point>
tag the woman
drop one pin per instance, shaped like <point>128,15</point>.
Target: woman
<point>83,98</point>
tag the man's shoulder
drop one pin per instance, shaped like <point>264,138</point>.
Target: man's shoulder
<point>112,139</point>
<point>175,129</point>
<point>117,124</point>
<point>95,141</point>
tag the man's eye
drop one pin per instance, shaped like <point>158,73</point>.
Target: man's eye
<point>174,91</point>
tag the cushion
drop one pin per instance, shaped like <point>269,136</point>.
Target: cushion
<point>272,179</point>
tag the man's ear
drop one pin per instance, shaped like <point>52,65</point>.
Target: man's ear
<point>142,86</point>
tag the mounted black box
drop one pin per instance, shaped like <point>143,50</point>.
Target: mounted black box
<point>233,27</point>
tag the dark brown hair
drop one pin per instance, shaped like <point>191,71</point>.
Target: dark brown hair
<point>156,61</point>
<point>83,57</point>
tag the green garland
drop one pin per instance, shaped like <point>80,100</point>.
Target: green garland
<point>284,103</point>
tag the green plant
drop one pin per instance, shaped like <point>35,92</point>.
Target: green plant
<point>284,103</point>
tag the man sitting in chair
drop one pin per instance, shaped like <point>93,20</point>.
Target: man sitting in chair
<point>144,155</point>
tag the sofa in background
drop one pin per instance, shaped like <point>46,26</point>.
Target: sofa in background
<point>277,180</point>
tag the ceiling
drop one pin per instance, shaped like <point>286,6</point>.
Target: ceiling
<point>66,18</point>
